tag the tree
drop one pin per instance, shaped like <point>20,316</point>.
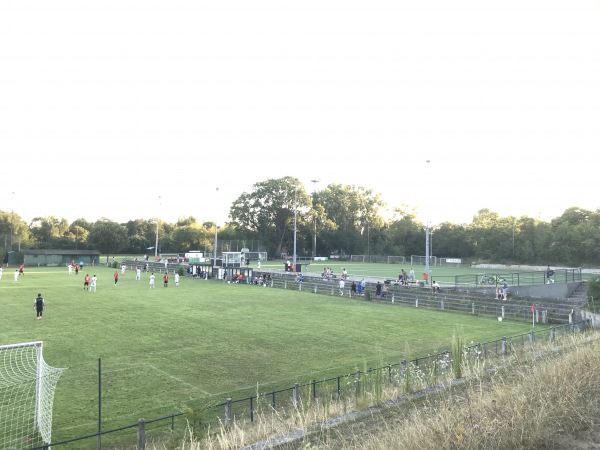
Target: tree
<point>268,211</point>
<point>108,237</point>
<point>46,229</point>
<point>355,212</point>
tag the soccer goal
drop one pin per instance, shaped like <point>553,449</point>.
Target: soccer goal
<point>396,259</point>
<point>358,258</point>
<point>456,262</point>
<point>255,256</point>
<point>27,387</point>
<point>418,259</point>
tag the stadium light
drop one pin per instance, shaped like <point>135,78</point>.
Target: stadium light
<point>295,223</point>
<point>215,246</point>
<point>314,243</point>
<point>427,230</point>
<point>156,245</point>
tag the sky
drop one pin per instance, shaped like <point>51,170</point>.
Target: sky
<point>130,109</point>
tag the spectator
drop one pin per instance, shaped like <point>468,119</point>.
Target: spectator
<point>549,275</point>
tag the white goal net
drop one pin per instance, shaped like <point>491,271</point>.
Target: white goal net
<point>450,262</point>
<point>357,258</point>
<point>418,259</point>
<point>27,386</point>
<point>253,257</point>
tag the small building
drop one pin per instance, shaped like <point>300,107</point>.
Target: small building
<point>49,257</point>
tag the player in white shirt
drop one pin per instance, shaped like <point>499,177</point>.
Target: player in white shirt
<point>152,281</point>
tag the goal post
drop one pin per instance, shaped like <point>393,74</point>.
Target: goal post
<point>396,259</point>
<point>422,259</point>
<point>456,262</point>
<point>27,387</point>
<point>255,256</point>
<point>357,258</point>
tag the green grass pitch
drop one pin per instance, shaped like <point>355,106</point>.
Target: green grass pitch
<point>206,339</point>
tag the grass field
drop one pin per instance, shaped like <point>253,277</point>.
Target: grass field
<point>205,339</point>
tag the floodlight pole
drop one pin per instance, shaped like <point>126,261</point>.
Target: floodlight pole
<point>427,233</point>
<point>295,223</point>
<point>215,246</point>
<point>156,245</point>
<point>314,243</point>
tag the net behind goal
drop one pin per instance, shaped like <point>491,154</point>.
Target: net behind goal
<point>27,386</point>
<point>418,259</point>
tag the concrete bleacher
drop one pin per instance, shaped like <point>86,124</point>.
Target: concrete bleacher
<point>478,301</point>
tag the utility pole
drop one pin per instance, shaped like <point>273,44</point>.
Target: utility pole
<point>314,242</point>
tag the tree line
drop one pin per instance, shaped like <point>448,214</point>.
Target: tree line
<point>337,220</point>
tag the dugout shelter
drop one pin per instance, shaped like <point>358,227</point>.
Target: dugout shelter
<point>49,257</point>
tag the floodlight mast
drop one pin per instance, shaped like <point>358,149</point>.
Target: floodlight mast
<point>314,243</point>
<point>427,233</point>
<point>295,225</point>
<point>215,246</point>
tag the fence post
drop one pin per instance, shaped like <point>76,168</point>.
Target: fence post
<point>571,316</point>
<point>285,284</point>
<point>228,405</point>
<point>416,303</point>
<point>531,337</point>
<point>296,395</point>
<point>478,351</point>
<point>442,305</point>
<point>141,434</point>
<point>552,334</point>
<point>504,345</point>
<point>473,308</point>
<point>299,286</point>
<point>392,298</point>
<point>544,316</point>
<point>315,288</point>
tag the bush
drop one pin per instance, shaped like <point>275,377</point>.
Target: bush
<point>594,294</point>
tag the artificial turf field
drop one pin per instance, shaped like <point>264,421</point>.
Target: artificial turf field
<point>206,339</point>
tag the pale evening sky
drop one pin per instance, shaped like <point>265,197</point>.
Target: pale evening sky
<point>105,106</point>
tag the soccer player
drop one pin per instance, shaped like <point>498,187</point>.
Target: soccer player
<point>16,276</point>
<point>166,279</point>
<point>38,305</point>
<point>86,282</point>
<point>152,280</point>
<point>176,279</point>
<point>116,276</point>
<point>138,274</point>
<point>93,284</point>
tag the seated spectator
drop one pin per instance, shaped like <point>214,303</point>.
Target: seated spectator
<point>435,286</point>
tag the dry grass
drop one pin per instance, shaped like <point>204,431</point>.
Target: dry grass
<point>544,397</point>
